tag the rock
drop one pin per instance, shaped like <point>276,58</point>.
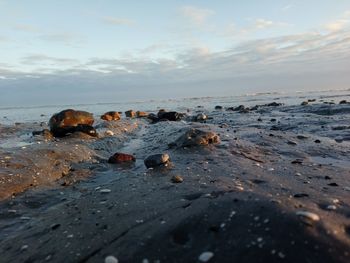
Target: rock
<point>308,217</point>
<point>111,116</point>
<point>141,114</point>
<point>156,160</point>
<point>273,104</point>
<point>205,256</point>
<point>343,102</point>
<point>109,133</point>
<point>177,179</point>
<point>317,141</point>
<point>111,259</point>
<point>130,114</point>
<point>64,122</point>
<point>291,142</point>
<point>239,108</point>
<point>302,137</point>
<point>45,133</point>
<point>311,100</point>
<point>121,158</point>
<point>339,139</point>
<point>200,117</point>
<point>153,117</point>
<point>304,103</point>
<point>196,137</point>
<point>218,107</point>
<point>170,116</point>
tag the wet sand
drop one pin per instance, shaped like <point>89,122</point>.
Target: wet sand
<point>240,199</point>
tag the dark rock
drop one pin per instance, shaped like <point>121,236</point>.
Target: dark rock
<point>311,100</point>
<point>239,108</point>
<point>304,103</point>
<point>218,107</point>
<point>301,195</point>
<point>121,158</point>
<point>196,137</point>
<point>130,114</point>
<point>157,160</point>
<point>83,128</point>
<point>170,116</point>
<point>343,102</point>
<point>67,121</point>
<point>317,141</point>
<point>297,161</point>
<point>273,104</point>
<point>111,116</point>
<point>45,133</point>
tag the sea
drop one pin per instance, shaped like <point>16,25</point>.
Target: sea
<point>41,113</point>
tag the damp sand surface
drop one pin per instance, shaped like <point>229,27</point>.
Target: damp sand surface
<point>276,189</point>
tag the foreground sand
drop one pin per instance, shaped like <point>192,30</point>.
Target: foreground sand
<point>62,202</point>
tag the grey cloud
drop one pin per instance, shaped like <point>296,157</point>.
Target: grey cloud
<point>314,61</point>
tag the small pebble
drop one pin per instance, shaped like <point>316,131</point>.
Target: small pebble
<point>111,259</point>
<point>177,179</point>
<point>105,191</point>
<point>331,207</point>
<point>308,217</point>
<point>205,256</point>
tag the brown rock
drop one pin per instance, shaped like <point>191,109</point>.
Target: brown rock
<point>141,114</point>
<point>121,158</point>
<point>196,137</point>
<point>176,179</point>
<point>64,122</point>
<point>111,116</point>
<point>130,114</point>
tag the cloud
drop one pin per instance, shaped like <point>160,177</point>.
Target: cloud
<point>25,28</point>
<point>197,16</point>
<point>337,25</point>
<point>263,23</point>
<point>41,58</point>
<point>62,38</point>
<point>118,21</point>
<point>287,7</point>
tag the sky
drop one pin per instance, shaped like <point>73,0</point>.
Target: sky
<point>85,51</point>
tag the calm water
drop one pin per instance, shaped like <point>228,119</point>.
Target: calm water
<point>10,115</point>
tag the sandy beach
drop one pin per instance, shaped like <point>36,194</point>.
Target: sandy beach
<point>274,187</point>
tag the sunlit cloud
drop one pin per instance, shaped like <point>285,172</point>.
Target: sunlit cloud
<point>197,16</point>
<point>118,21</point>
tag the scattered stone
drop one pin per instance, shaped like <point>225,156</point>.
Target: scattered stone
<point>196,137</point>
<point>109,133</point>
<point>338,139</point>
<point>205,256</point>
<point>304,103</point>
<point>297,161</point>
<point>301,195</point>
<point>302,137</point>
<point>308,217</point>
<point>311,100</point>
<point>177,179</point>
<point>141,114</point>
<point>331,207</point>
<point>111,259</point>
<point>317,141</point>
<point>170,116</point>
<point>239,108</point>
<point>121,158</point>
<point>130,114</point>
<point>200,117</point>
<point>105,191</point>
<point>66,121</point>
<point>343,102</point>
<point>273,104</point>
<point>218,107</point>
<point>111,116</point>
<point>45,133</point>
<point>292,142</point>
<point>156,160</point>
<point>333,184</point>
